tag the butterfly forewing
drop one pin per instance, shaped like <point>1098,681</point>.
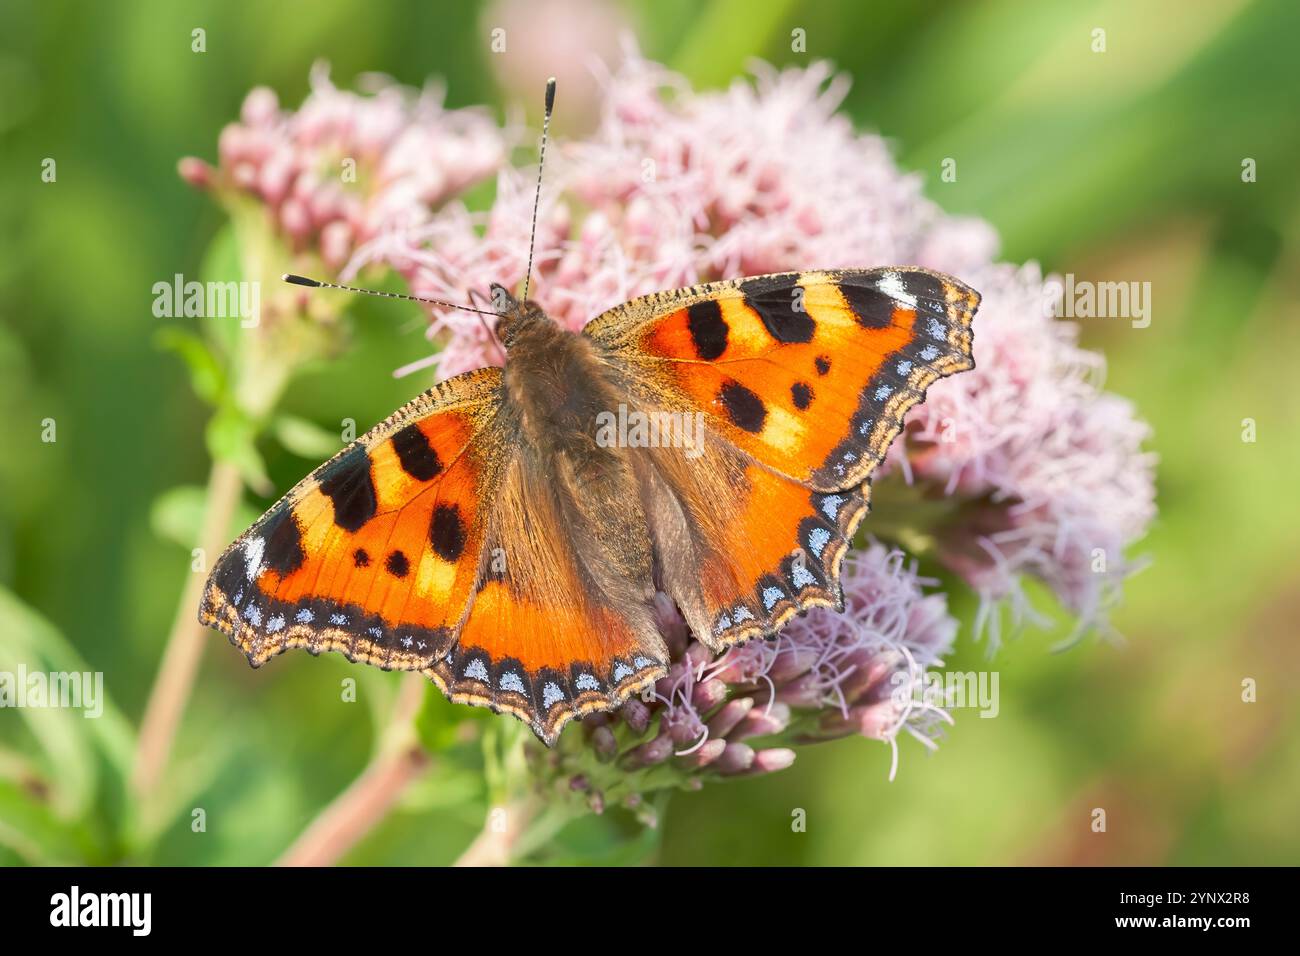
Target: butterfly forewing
<point>803,380</point>
<point>376,553</point>
<point>810,373</point>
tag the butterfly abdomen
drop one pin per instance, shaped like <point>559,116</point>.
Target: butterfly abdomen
<point>562,394</point>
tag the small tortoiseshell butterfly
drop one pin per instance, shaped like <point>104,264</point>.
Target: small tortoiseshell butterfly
<point>486,536</point>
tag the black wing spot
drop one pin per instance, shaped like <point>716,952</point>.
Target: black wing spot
<point>417,456</point>
<point>708,329</point>
<point>447,532</point>
<point>360,558</point>
<point>930,291</point>
<point>823,364</point>
<point>283,553</point>
<point>397,564</point>
<point>802,395</point>
<point>745,409</point>
<point>349,485</point>
<point>872,308</point>
<point>779,305</point>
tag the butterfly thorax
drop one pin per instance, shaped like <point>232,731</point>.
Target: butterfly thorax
<point>556,381</point>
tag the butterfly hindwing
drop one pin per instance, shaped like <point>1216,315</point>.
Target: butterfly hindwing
<point>810,373</point>
<point>376,553</point>
<point>548,637</point>
<point>746,548</point>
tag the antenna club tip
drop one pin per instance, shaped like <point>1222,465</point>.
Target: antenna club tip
<point>550,94</point>
<point>300,280</point>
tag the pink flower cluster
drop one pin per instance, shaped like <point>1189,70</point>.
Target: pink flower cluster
<point>825,675</point>
<point>671,189</point>
<point>1054,465</point>
<point>859,672</point>
<point>345,167</point>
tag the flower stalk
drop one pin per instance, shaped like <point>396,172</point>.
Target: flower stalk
<point>184,649</point>
<point>397,763</point>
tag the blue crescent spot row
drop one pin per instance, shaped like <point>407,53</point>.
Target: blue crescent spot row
<point>235,577</point>
<point>544,689</point>
<point>892,380</point>
<point>793,578</point>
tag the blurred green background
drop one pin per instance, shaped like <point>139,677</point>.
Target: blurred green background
<point>1122,165</point>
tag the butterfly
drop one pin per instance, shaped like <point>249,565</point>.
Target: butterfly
<point>506,532</point>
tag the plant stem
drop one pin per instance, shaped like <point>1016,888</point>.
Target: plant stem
<point>496,842</point>
<point>180,664</point>
<point>398,761</point>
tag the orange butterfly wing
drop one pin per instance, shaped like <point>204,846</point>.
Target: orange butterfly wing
<point>424,546</point>
<point>376,553</point>
<point>746,548</point>
<point>803,380</point>
<point>543,640</point>
<point>810,373</point>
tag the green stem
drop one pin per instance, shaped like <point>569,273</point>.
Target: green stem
<point>184,651</point>
<point>398,762</point>
<point>498,843</point>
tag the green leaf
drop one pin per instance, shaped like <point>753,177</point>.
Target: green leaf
<point>30,827</point>
<point>177,515</point>
<point>222,262</point>
<point>305,438</point>
<point>232,437</point>
<point>611,839</point>
<point>207,377</point>
<point>725,35</point>
<point>441,725</point>
<point>83,754</point>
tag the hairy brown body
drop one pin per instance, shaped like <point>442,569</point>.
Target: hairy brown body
<point>557,383</point>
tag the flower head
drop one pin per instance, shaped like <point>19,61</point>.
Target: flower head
<point>825,675</point>
<point>671,189</point>
<point>344,167</point>
<point>1050,468</point>
<point>303,188</point>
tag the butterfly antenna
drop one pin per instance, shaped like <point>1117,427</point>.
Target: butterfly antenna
<point>491,332</point>
<point>537,198</point>
<point>317,284</point>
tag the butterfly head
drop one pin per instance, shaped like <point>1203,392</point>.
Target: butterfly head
<point>514,316</point>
